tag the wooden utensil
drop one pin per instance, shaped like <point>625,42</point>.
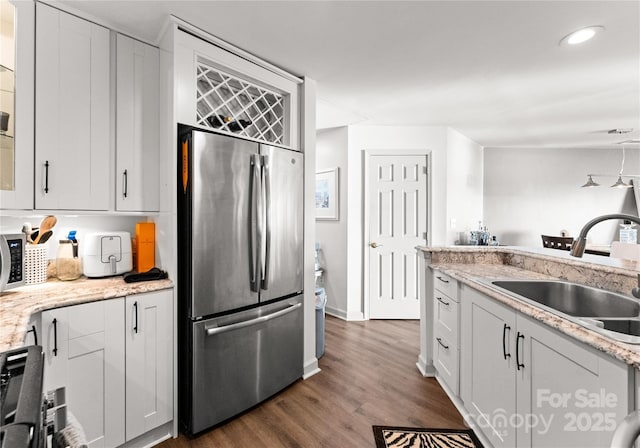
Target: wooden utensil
<point>45,237</point>
<point>46,225</point>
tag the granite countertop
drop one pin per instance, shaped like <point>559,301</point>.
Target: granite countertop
<point>17,305</point>
<point>472,266</point>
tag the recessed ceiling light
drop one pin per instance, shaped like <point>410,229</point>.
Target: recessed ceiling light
<point>581,35</point>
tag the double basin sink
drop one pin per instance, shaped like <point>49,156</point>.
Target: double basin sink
<point>609,313</point>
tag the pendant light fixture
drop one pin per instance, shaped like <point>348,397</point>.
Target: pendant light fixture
<point>620,183</point>
<point>590,182</point>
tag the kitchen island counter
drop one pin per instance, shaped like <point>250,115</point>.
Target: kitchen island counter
<point>17,305</point>
<point>473,266</point>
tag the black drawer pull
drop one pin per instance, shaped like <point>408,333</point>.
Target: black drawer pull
<point>46,176</point>
<point>135,327</point>
<point>439,299</point>
<point>518,363</point>
<point>446,347</point>
<point>442,279</point>
<point>55,337</point>
<point>504,341</point>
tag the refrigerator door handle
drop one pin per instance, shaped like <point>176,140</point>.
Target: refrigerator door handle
<point>255,232</point>
<point>247,323</point>
<point>267,208</point>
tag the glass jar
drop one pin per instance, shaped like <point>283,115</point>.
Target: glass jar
<point>68,265</point>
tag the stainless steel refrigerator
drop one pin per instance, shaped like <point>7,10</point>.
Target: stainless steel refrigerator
<point>240,274</point>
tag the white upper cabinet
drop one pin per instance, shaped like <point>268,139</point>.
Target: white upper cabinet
<point>137,90</point>
<point>221,90</point>
<point>17,87</point>
<point>72,137</point>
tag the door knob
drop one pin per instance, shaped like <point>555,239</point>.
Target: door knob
<point>374,245</point>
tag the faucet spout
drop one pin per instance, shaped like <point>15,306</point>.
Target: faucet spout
<point>580,243</point>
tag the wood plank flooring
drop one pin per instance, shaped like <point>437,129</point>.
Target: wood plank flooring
<point>368,377</point>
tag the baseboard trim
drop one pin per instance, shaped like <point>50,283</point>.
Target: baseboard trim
<point>310,369</point>
<point>340,314</point>
<point>425,370</point>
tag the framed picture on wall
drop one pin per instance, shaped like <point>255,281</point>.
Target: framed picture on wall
<point>327,194</point>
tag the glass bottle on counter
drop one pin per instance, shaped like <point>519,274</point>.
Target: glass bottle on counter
<point>68,265</point>
<point>628,234</point>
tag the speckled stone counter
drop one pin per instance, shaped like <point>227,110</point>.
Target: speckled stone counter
<point>17,305</point>
<point>472,265</point>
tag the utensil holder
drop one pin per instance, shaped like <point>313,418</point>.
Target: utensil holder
<point>35,263</point>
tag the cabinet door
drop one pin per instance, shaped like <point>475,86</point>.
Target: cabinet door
<point>137,142</point>
<point>84,352</point>
<point>568,394</point>
<point>72,112</point>
<point>16,154</point>
<point>488,382</point>
<point>149,346</point>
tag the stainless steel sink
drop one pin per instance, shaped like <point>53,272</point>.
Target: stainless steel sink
<point>614,315</point>
<point>573,299</point>
<point>624,326</point>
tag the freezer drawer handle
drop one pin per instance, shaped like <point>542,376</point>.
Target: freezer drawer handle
<point>247,323</point>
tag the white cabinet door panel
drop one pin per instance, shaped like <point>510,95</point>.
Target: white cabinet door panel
<point>488,347</point>
<point>84,352</point>
<point>575,397</point>
<point>149,379</point>
<point>137,141</point>
<point>72,112</point>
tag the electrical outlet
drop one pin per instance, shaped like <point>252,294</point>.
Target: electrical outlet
<point>454,223</point>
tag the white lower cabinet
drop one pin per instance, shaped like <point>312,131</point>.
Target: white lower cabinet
<point>445,331</point>
<point>524,384</point>
<point>114,359</point>
<point>149,379</point>
<point>83,347</point>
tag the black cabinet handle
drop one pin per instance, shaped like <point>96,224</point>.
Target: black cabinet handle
<point>446,347</point>
<point>135,327</point>
<point>442,279</point>
<point>46,176</point>
<point>504,341</point>
<point>35,334</point>
<point>125,187</point>
<point>439,299</point>
<point>55,337</point>
<point>518,363</point>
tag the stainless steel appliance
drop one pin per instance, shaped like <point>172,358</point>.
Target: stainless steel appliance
<point>21,399</point>
<point>240,274</point>
<point>11,260</point>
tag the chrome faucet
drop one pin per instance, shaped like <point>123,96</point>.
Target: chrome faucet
<point>580,243</point>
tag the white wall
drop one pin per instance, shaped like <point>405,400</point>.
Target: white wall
<point>331,152</point>
<point>537,191</point>
<point>464,186</point>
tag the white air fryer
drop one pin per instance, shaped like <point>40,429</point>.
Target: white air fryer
<point>107,254</point>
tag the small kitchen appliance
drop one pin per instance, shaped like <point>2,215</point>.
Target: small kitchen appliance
<point>107,254</point>
<point>11,260</point>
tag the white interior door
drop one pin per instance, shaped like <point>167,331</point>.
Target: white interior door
<point>397,199</point>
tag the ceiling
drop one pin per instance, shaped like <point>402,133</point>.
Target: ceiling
<point>493,70</point>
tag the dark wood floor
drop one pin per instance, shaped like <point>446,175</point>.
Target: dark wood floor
<point>368,377</point>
